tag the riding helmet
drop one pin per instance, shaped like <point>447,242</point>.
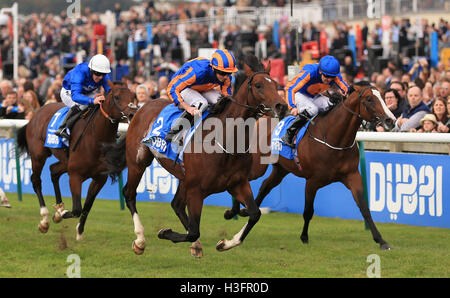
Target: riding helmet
<point>100,63</point>
<point>223,60</point>
<point>329,66</point>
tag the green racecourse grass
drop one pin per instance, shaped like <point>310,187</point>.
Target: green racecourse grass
<point>338,248</point>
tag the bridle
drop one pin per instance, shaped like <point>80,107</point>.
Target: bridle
<point>116,105</point>
<point>259,110</point>
<point>358,114</point>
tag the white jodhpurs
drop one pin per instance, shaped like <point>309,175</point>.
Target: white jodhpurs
<point>193,97</point>
<point>314,105</point>
<point>66,98</point>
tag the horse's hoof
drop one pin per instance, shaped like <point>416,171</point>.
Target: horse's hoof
<point>138,250</point>
<point>162,234</point>
<point>196,252</point>
<point>57,218</point>
<point>243,212</point>
<point>220,246</point>
<point>43,228</point>
<point>229,214</point>
<point>67,215</point>
<point>385,246</point>
<point>304,239</point>
<point>79,236</point>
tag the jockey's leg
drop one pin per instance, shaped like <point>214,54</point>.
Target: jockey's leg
<point>323,103</point>
<point>193,98</point>
<point>306,109</point>
<point>211,96</point>
<point>72,115</point>
<point>68,122</point>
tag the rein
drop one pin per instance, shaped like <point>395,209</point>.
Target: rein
<point>259,110</point>
<point>358,114</point>
<point>122,114</point>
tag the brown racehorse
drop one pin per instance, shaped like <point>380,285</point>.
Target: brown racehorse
<point>82,163</point>
<point>328,153</point>
<point>203,173</point>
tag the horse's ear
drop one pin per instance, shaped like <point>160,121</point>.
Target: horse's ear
<point>268,67</point>
<point>248,71</point>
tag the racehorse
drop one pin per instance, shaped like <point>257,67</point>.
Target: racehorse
<point>328,153</point>
<point>82,159</point>
<point>202,173</point>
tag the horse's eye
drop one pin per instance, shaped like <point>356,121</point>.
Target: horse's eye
<point>258,86</point>
<point>369,99</point>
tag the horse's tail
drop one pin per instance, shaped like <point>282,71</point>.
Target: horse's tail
<point>22,140</point>
<point>115,158</point>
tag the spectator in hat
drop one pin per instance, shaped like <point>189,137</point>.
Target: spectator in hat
<point>428,123</point>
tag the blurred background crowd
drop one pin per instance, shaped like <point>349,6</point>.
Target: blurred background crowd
<point>406,56</point>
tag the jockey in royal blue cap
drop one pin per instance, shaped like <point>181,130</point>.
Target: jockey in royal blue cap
<point>303,93</point>
<point>81,87</point>
<point>192,87</point>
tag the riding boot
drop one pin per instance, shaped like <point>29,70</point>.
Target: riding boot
<point>177,127</point>
<point>71,117</point>
<point>301,120</point>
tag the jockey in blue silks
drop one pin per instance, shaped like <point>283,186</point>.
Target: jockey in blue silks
<point>192,87</point>
<point>303,93</point>
<point>81,88</point>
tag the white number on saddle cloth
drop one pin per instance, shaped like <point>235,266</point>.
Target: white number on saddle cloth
<point>159,123</point>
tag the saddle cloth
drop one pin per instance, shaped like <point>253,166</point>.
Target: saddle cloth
<point>52,140</point>
<point>278,146</point>
<point>161,127</point>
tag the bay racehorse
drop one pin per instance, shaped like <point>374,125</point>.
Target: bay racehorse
<point>82,159</point>
<point>328,153</point>
<point>203,173</point>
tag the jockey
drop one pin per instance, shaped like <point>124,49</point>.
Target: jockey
<point>303,93</point>
<point>81,88</point>
<point>192,86</point>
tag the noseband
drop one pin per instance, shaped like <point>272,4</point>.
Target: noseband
<point>122,114</point>
<point>261,109</point>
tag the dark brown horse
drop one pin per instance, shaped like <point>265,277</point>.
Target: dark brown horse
<point>328,153</point>
<point>203,173</point>
<point>82,163</point>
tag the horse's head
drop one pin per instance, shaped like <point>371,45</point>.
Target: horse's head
<point>119,104</point>
<point>371,106</point>
<point>262,92</point>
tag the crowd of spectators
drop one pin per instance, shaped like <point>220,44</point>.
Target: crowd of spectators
<point>416,93</point>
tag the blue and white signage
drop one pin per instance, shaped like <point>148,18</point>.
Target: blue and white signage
<point>404,188</point>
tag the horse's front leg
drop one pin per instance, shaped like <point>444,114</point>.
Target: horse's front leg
<point>94,188</point>
<point>354,182</point>
<point>243,194</point>
<point>75,182</point>
<point>194,205</point>
<point>56,170</point>
<point>179,207</point>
